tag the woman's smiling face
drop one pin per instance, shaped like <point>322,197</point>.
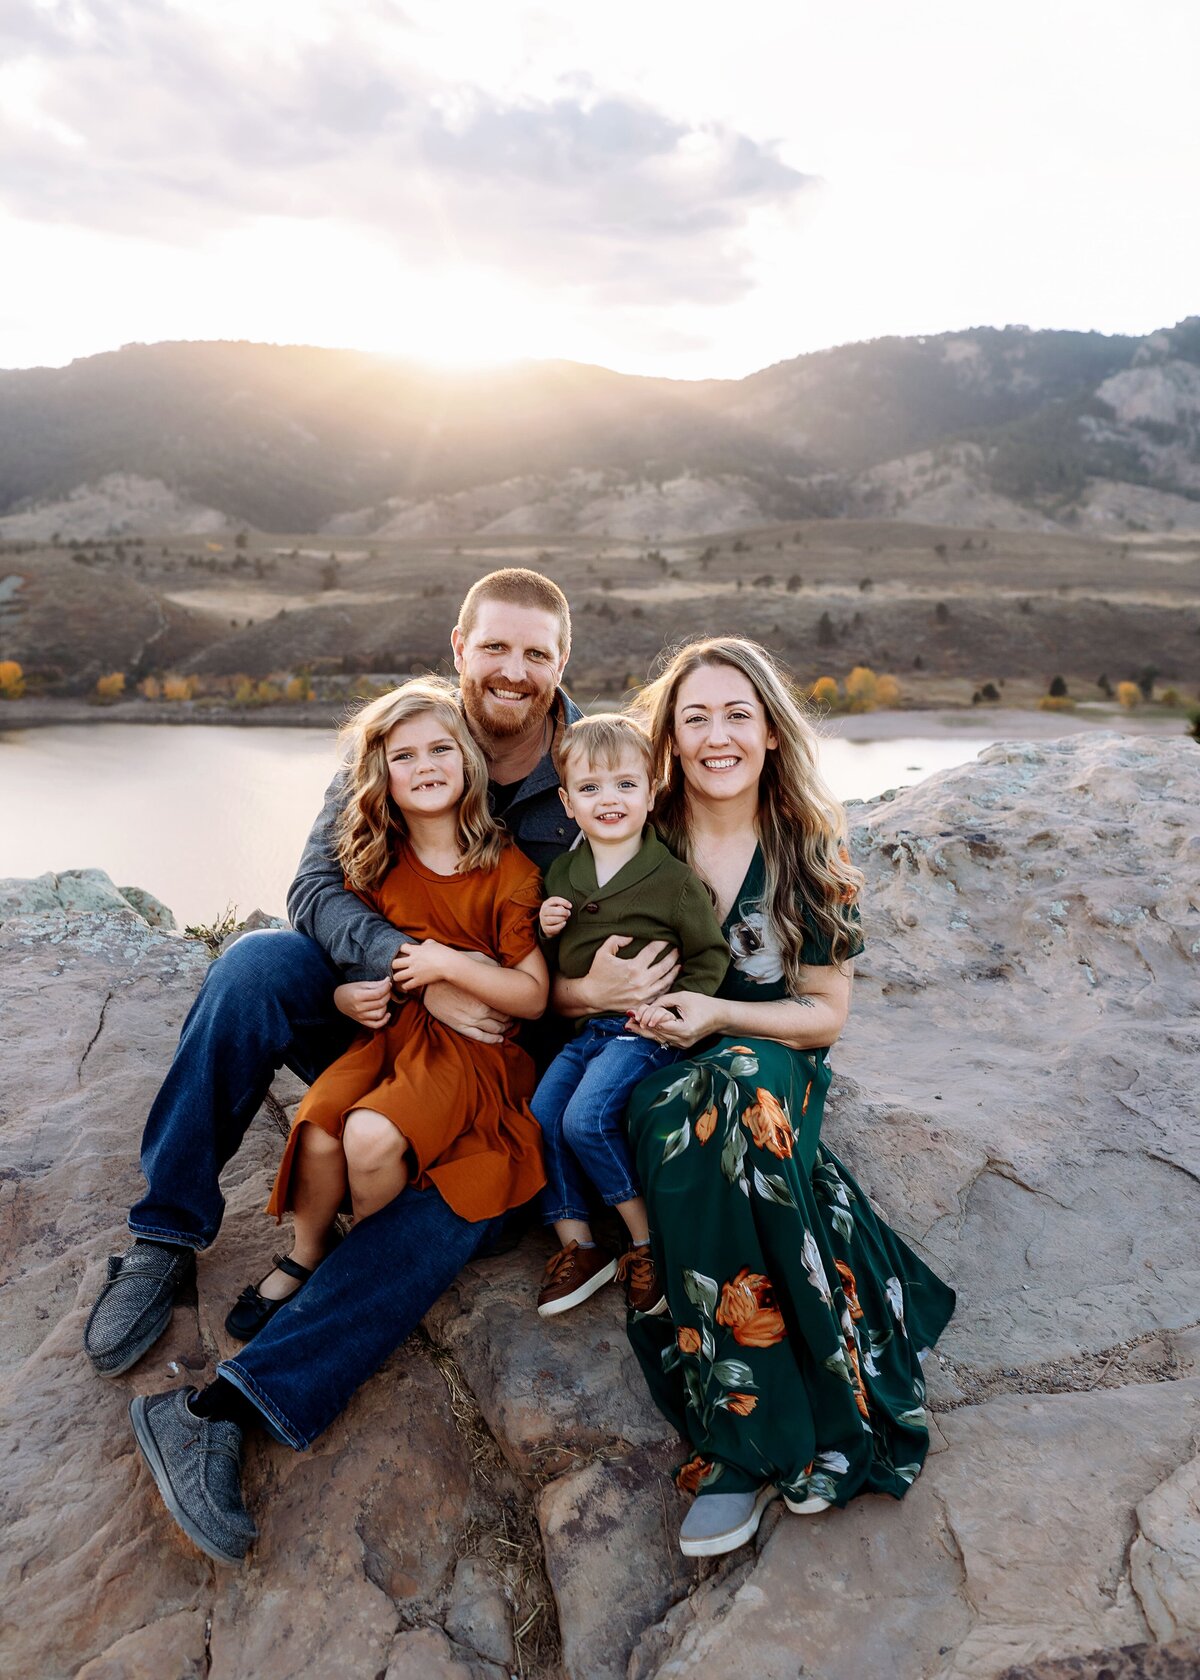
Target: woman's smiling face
<point>720,730</point>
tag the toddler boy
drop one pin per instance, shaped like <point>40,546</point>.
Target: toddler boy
<point>621,879</point>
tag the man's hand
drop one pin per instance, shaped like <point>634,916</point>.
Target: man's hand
<point>554,915</point>
<point>463,1013</point>
<point>616,985</point>
<point>366,1001</point>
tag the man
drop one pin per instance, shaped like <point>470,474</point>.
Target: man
<point>269,1001</point>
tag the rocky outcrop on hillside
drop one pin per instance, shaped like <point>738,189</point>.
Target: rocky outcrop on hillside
<point>116,505</point>
<point>1016,1091</point>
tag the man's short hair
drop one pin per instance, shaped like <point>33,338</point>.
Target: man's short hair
<point>603,739</point>
<point>519,587</point>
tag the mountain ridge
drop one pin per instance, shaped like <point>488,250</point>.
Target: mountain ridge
<point>300,438</point>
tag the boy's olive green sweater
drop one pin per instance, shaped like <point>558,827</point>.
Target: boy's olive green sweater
<point>653,896</point>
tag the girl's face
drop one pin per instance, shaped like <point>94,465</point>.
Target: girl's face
<point>426,772</point>
<point>720,733</point>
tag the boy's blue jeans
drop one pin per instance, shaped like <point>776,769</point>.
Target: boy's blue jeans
<point>269,1001</point>
<point>580,1106</point>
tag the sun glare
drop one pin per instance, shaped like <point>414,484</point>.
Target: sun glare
<point>467,318</point>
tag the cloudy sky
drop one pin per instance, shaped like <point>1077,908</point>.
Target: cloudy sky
<point>686,189</point>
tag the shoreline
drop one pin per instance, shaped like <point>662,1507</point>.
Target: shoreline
<point>934,722</point>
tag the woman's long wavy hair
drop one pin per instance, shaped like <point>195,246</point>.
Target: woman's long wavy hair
<point>801,825</point>
<point>370,829</point>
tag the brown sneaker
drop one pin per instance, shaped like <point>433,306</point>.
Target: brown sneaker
<point>643,1292</point>
<point>571,1276</point>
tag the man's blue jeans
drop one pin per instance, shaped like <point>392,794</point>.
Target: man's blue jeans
<point>580,1106</point>
<point>268,1002</point>
<point>361,1303</point>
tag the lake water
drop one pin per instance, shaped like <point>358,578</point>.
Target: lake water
<point>205,817</point>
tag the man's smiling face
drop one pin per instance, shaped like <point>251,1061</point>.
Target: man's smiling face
<point>508,667</point>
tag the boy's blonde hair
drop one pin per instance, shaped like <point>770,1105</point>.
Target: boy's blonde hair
<point>603,739</point>
<point>370,827</point>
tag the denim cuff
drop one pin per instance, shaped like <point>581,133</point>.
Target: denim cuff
<point>273,1419</point>
<point>184,1239</point>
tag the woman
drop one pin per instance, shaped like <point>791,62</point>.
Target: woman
<point>791,1357</point>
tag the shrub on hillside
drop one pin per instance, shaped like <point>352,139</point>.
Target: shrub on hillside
<point>1128,693</point>
<point>111,686</point>
<point>1056,703</point>
<point>175,687</point>
<point>150,688</point>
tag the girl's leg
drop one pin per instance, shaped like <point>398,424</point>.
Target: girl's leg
<point>317,1187</point>
<point>376,1164</point>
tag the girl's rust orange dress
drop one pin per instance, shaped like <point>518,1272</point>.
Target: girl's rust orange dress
<point>462,1105</point>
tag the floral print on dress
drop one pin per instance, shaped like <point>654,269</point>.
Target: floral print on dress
<point>790,1353</point>
<point>752,947</point>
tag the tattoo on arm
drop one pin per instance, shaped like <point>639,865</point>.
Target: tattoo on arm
<point>805,1002</point>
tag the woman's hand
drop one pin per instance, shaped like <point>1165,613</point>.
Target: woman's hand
<point>679,1019</point>
<point>419,965</point>
<point>366,1001</point>
<point>554,915</point>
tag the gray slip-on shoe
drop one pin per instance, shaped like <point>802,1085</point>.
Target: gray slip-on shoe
<point>720,1522</point>
<point>196,1463</point>
<point>134,1306</point>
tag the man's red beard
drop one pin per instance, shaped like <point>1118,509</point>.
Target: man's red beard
<point>489,719</point>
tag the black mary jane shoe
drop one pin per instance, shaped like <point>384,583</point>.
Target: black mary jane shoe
<point>251,1310</point>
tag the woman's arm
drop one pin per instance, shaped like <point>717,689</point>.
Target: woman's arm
<point>520,991</point>
<point>812,1020</point>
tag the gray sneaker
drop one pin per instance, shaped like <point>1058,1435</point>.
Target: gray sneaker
<point>134,1307</point>
<point>197,1464</point>
<point>720,1522</point>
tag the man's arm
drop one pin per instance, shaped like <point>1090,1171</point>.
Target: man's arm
<point>357,940</point>
<point>615,985</point>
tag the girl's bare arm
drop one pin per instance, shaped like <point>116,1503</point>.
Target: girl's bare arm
<point>520,991</point>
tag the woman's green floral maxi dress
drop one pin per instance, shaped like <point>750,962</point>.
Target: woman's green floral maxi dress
<point>797,1316</point>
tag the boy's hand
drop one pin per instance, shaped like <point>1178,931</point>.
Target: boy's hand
<point>419,965</point>
<point>678,1019</point>
<point>554,915</point>
<point>365,1001</point>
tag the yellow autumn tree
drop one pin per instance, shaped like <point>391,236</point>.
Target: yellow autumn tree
<point>1128,693</point>
<point>175,687</point>
<point>150,688</point>
<point>861,688</point>
<point>824,692</point>
<point>887,692</point>
<point>109,687</point>
<point>299,688</point>
<point>12,680</point>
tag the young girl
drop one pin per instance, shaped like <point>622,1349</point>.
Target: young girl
<point>414,1099</point>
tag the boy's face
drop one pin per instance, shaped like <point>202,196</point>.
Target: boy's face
<point>608,802</point>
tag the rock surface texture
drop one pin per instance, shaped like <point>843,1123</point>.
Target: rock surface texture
<point>1017,1089</point>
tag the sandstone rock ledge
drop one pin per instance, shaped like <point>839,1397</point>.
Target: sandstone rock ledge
<point>1017,1090</point>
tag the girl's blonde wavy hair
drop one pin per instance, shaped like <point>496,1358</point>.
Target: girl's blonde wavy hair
<point>370,828</point>
<point>801,825</point>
